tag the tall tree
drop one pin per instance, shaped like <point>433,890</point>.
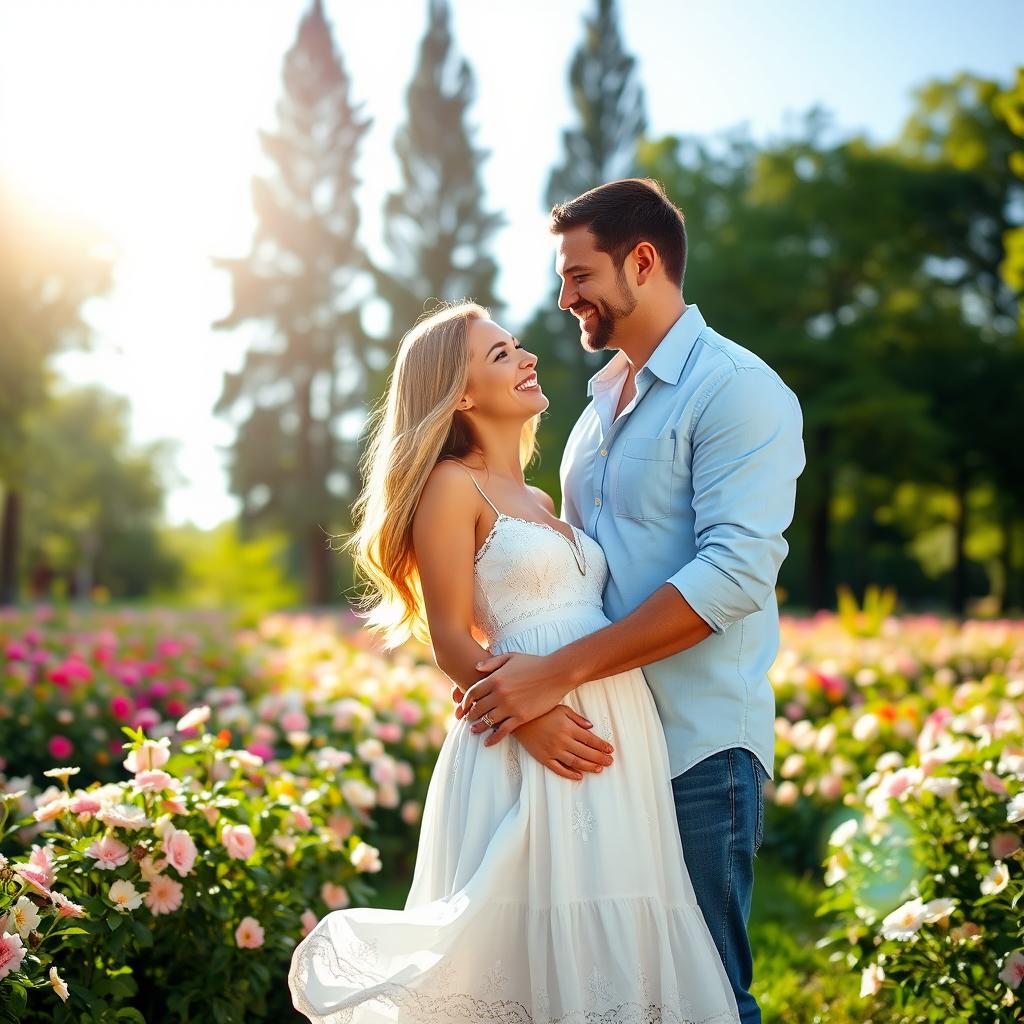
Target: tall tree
<point>49,267</point>
<point>299,396</point>
<point>436,227</point>
<point>609,103</point>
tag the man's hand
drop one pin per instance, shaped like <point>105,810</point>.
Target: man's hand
<point>562,741</point>
<point>520,688</point>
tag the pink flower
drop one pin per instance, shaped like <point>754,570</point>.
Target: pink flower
<point>410,812</point>
<point>35,878</point>
<point>211,814</point>
<point>51,809</point>
<point>65,907</point>
<point>335,896</point>
<point>108,852</point>
<point>1004,845</point>
<point>12,952</point>
<point>120,707</point>
<point>249,934</point>
<point>389,732</point>
<point>1012,973</point>
<point>340,825</point>
<point>294,721</point>
<point>83,803</point>
<point>408,711</point>
<point>301,819</point>
<point>60,747</point>
<point>152,754</point>
<point>308,920</point>
<point>150,869</point>
<point>153,780</point>
<point>42,860</point>
<point>174,805</point>
<point>239,841</point>
<point>180,851</point>
<point>993,783</point>
<point>163,895</point>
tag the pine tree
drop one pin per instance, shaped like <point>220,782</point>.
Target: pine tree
<point>609,103</point>
<point>436,227</point>
<point>293,463</point>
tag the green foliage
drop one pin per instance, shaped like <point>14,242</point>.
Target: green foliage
<point>92,500</point>
<point>437,230</point>
<point>223,570</point>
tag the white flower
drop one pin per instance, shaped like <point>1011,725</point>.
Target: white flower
<point>359,794</point>
<point>366,858</point>
<point>59,985</point>
<point>866,727</point>
<point>889,761</point>
<point>370,749</point>
<point>942,786</point>
<point>1015,808</point>
<point>123,816</point>
<point>843,833</point>
<point>835,871</point>
<point>61,773</point>
<point>996,880</point>
<point>194,718</point>
<point>124,895</point>
<point>26,916</point>
<point>792,766</point>
<point>938,910</point>
<point>871,980</point>
<point>904,921</point>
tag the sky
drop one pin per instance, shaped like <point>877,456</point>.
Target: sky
<point>144,114</point>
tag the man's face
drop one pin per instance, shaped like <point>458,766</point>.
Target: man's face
<point>593,289</point>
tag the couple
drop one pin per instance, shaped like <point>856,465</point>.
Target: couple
<point>550,882</point>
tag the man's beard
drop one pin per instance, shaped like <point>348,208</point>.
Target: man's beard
<point>608,316</point>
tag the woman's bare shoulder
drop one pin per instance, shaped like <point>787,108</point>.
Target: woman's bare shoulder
<point>544,498</point>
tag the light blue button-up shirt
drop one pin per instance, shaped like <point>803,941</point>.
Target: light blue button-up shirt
<point>693,485</point>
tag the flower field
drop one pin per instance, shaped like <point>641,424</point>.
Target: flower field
<point>181,800</point>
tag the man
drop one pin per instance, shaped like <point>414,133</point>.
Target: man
<point>684,469</point>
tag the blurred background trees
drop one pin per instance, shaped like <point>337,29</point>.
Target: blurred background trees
<point>883,281</point>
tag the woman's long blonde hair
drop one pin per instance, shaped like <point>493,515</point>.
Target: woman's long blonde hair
<point>415,426</point>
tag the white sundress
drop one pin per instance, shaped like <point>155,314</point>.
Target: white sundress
<point>535,899</point>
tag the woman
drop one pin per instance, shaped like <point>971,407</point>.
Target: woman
<point>546,889</point>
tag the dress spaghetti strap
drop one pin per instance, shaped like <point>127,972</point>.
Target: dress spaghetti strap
<point>451,458</point>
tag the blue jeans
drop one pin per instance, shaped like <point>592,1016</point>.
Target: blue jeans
<point>720,808</point>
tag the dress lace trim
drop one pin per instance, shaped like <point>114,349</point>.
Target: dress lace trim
<point>441,1007</point>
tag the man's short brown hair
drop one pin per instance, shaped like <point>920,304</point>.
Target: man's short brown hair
<point>624,213</point>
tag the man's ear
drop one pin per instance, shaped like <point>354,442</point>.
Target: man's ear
<point>645,259</point>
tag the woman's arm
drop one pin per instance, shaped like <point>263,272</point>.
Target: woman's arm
<point>444,543</point>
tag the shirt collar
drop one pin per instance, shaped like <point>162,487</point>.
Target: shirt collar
<point>666,362</point>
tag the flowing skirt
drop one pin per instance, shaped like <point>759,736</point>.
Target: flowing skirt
<point>535,899</point>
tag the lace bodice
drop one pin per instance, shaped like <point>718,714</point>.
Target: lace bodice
<point>526,575</point>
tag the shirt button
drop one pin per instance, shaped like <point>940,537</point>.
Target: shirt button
<point>604,451</point>
<point>597,501</point>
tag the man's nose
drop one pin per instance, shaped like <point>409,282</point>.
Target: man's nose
<point>566,296</point>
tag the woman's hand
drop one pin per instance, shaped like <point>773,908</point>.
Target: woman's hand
<point>562,741</point>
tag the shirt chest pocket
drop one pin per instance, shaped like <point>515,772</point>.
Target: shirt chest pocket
<point>644,486</point>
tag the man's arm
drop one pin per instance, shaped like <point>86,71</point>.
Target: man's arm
<point>747,455</point>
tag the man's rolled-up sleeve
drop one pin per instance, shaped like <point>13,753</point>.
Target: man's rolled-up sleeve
<point>747,454</point>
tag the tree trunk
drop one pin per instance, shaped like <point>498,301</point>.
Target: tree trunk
<point>317,567</point>
<point>10,537</point>
<point>959,592</point>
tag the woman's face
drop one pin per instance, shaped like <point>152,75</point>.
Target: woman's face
<point>502,377</point>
